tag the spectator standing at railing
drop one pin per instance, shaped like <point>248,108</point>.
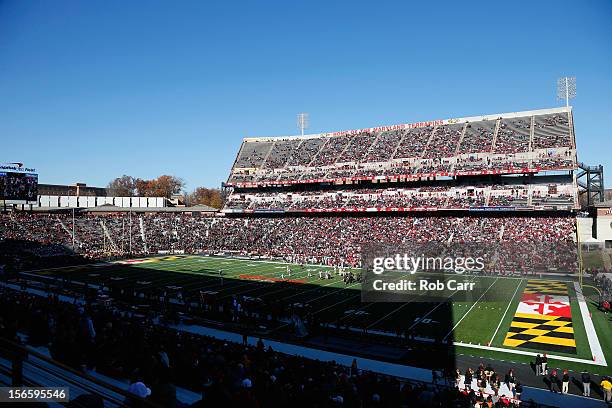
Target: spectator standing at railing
<point>565,382</point>
<point>495,384</point>
<point>554,381</point>
<point>510,380</point>
<point>434,377</point>
<point>488,372</point>
<point>606,386</point>
<point>467,382</point>
<point>586,384</point>
<point>518,390</point>
<point>482,383</point>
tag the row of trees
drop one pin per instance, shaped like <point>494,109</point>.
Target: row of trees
<point>128,186</point>
<point>163,186</point>
<point>212,197</point>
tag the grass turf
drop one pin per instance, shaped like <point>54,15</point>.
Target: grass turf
<point>480,321</point>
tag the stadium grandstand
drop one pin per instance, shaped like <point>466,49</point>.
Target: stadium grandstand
<point>515,143</point>
<point>522,160</point>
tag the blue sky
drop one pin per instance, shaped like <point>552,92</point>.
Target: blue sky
<point>91,90</point>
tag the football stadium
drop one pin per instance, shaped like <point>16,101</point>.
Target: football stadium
<point>285,260</point>
<point>460,261</point>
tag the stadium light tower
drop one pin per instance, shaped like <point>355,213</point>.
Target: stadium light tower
<point>566,89</point>
<point>302,122</point>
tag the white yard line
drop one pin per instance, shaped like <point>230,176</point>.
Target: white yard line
<point>298,293</point>
<point>362,308</point>
<point>245,282</point>
<point>316,289</point>
<point>397,309</point>
<point>504,316</point>
<point>270,262</point>
<point>412,299</point>
<point>333,304</point>
<point>189,262</point>
<point>219,262</point>
<point>298,275</point>
<point>529,353</point>
<point>470,309</point>
<point>596,351</point>
<point>419,320</point>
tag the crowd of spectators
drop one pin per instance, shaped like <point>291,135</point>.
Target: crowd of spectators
<point>444,142</point>
<point>384,147</point>
<point>317,240</point>
<point>252,154</point>
<point>358,149</point>
<point>331,151</point>
<point>513,136</point>
<point>366,198</point>
<point>484,385</point>
<point>409,167</point>
<point>305,151</point>
<point>504,144</point>
<point>156,360</point>
<point>439,197</point>
<point>551,131</point>
<point>90,237</point>
<point>280,153</point>
<point>478,138</point>
<point>413,143</point>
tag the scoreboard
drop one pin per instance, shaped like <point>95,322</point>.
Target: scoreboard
<point>18,184</point>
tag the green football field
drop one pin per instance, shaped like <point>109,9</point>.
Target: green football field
<point>477,327</point>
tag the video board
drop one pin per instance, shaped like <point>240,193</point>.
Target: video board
<point>18,183</point>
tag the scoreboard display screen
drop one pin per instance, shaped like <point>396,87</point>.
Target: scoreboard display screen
<point>18,186</point>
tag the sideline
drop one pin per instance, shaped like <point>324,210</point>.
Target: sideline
<point>401,371</point>
<point>530,353</point>
<point>598,355</point>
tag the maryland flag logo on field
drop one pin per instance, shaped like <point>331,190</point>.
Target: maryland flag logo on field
<point>543,319</point>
